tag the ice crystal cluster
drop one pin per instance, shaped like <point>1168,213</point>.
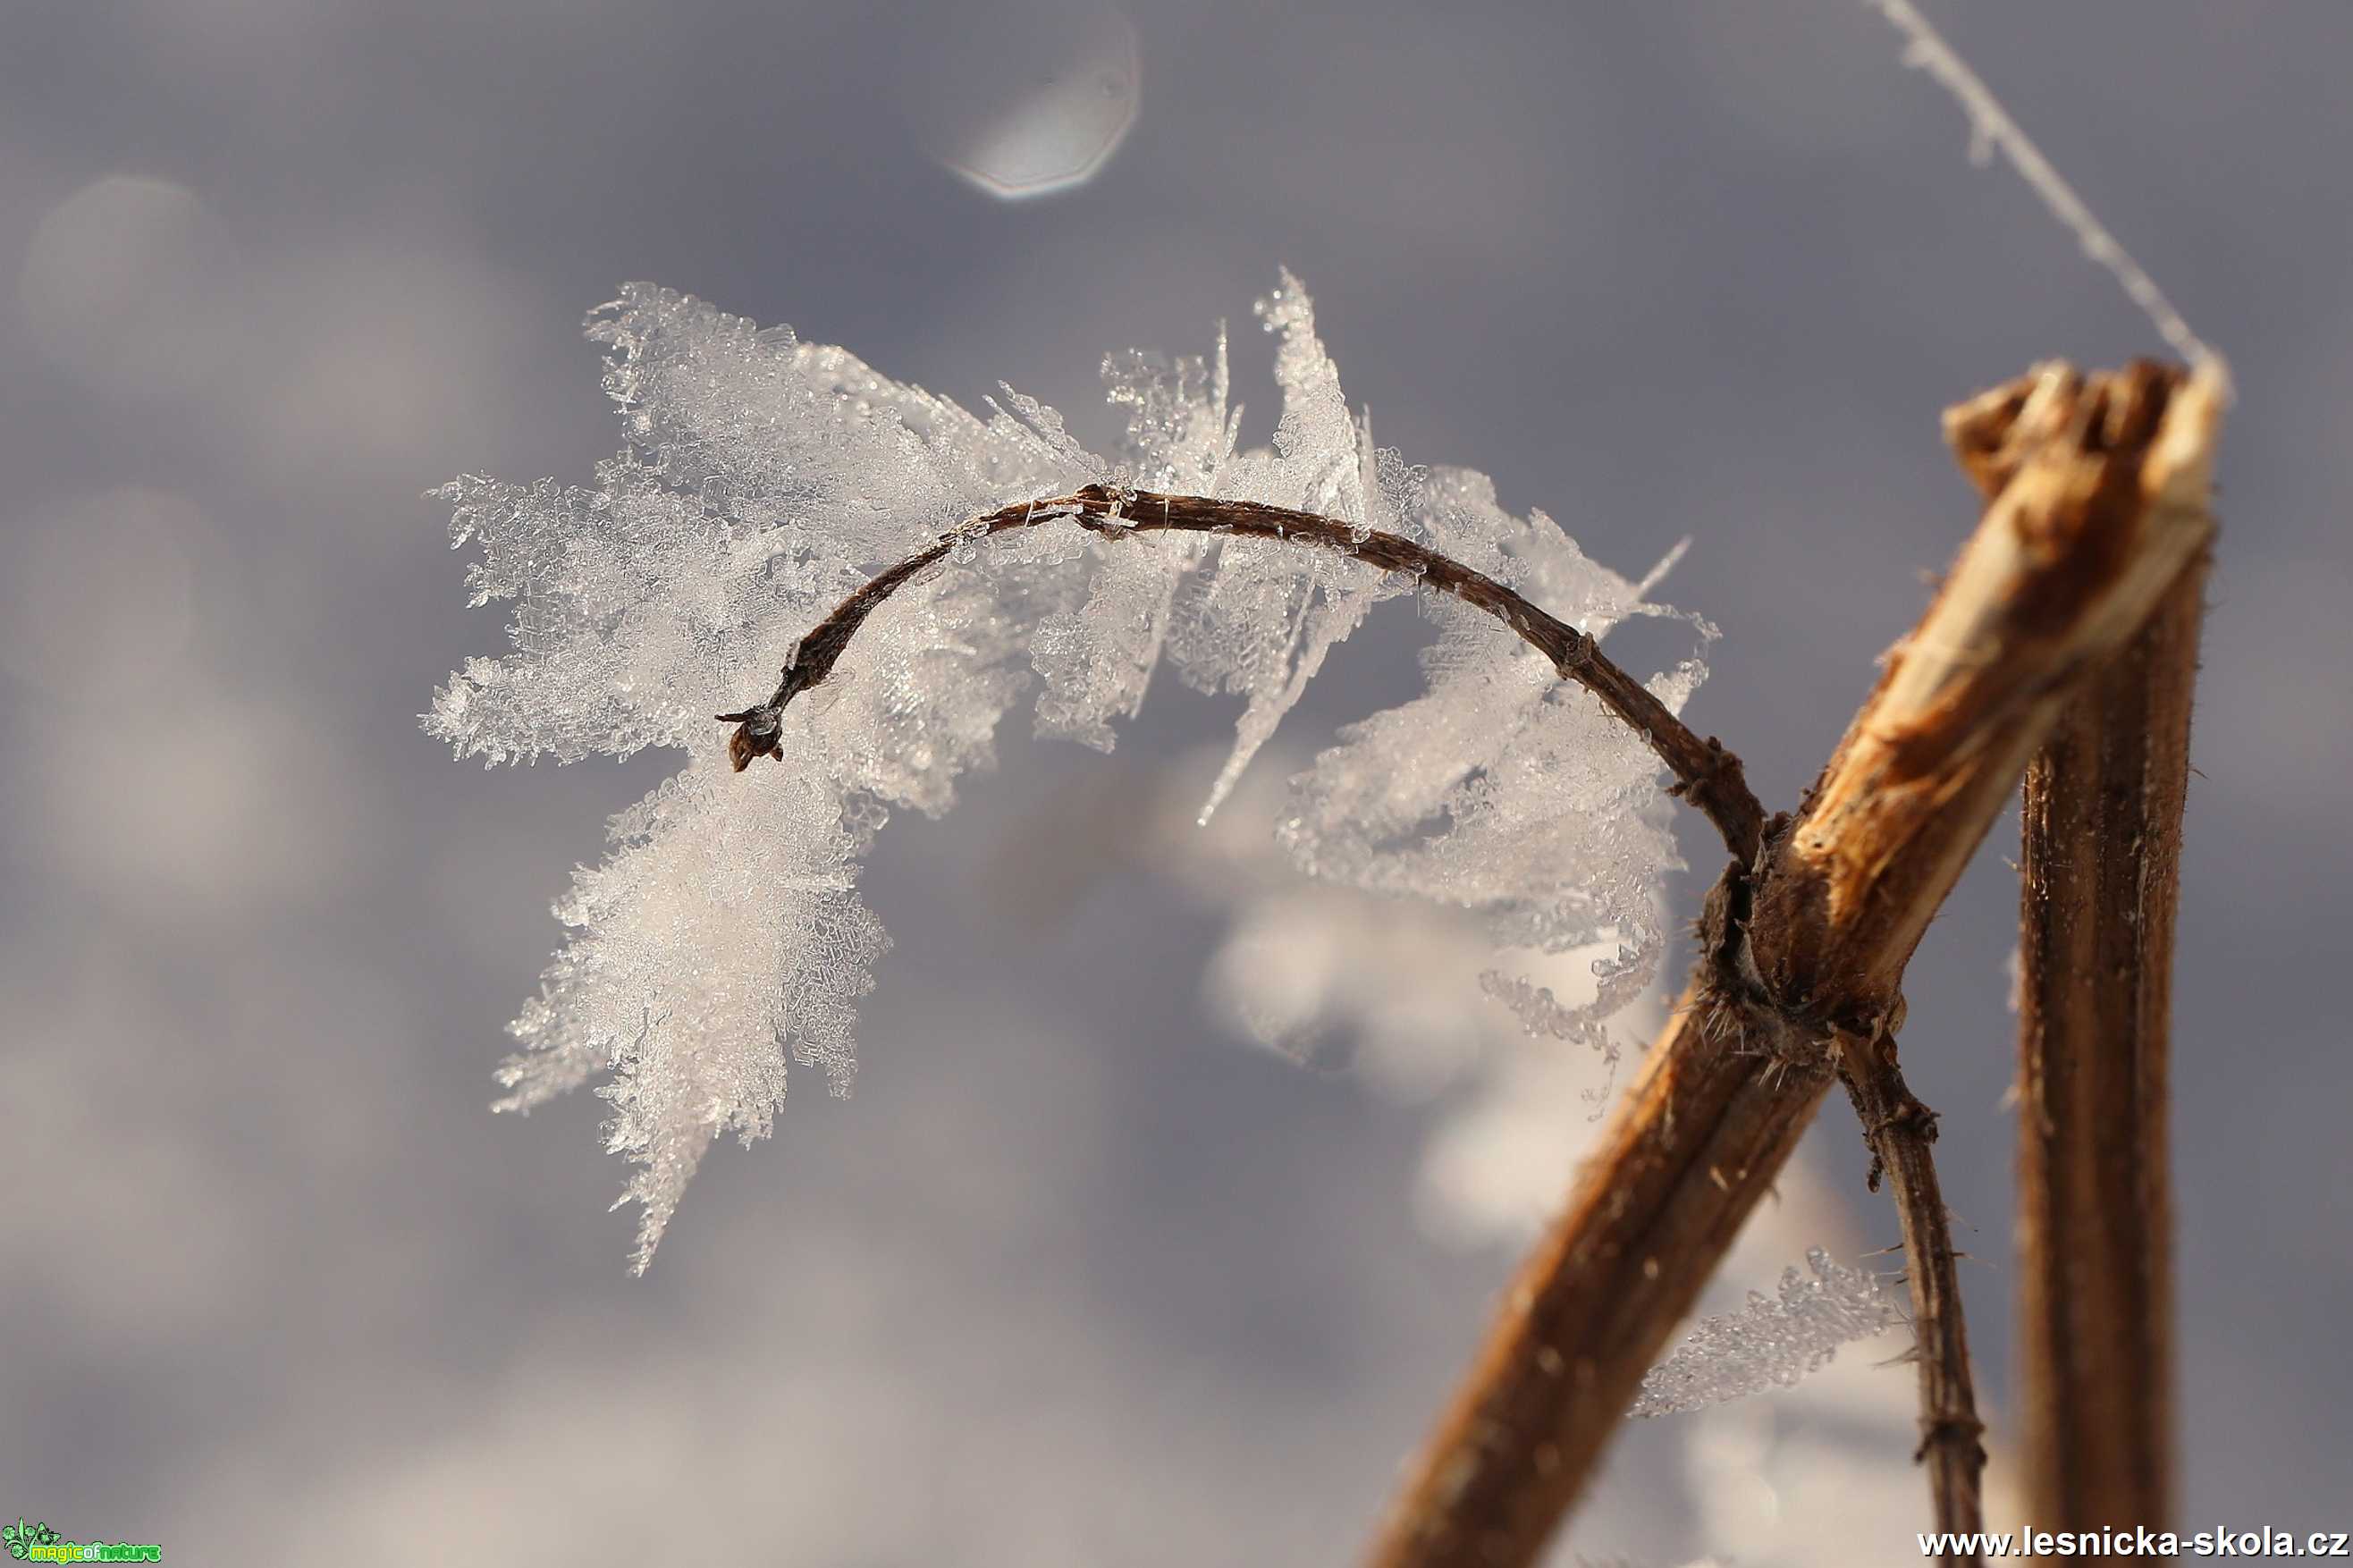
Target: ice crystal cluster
<point>1773,1342</point>
<point>763,478</point>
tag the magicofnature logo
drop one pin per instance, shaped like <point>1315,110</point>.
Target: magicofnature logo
<point>42,1543</point>
<point>21,1537</point>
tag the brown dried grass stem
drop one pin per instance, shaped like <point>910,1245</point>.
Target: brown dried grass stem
<point>2099,872</point>
<point>1722,1101</point>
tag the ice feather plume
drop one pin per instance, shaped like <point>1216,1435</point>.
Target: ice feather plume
<point>764,478</point>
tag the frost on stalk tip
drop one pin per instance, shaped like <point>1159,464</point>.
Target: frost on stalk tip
<point>763,478</point>
<point>1773,1342</point>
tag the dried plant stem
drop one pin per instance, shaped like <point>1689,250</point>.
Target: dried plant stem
<point>2101,501</point>
<point>2099,492</point>
<point>1705,774</point>
<point>1721,1101</point>
<point>1899,1130</point>
<point>2101,878</point>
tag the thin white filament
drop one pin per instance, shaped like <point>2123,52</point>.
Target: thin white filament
<point>1992,129</point>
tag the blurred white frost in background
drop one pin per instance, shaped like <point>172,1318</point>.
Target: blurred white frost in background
<point>128,284</point>
<point>1021,100</point>
<point>763,479</point>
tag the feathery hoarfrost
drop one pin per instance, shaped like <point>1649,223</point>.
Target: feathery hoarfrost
<point>1991,130</point>
<point>1773,1342</point>
<point>763,479</point>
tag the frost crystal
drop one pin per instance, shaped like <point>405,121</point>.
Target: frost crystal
<point>763,478</point>
<point>1771,1344</point>
<point>1991,130</point>
<point>1503,789</point>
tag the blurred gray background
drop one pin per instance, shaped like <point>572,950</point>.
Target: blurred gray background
<point>1076,1277</point>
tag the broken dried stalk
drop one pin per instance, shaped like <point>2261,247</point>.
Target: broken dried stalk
<point>2102,502</point>
<point>2101,875</point>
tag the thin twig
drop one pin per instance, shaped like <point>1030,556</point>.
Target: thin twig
<point>1899,1130</point>
<point>2101,879</point>
<point>1706,774</point>
<point>2102,502</point>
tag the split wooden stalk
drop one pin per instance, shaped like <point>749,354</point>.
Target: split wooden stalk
<point>2100,503</point>
<point>2100,869</point>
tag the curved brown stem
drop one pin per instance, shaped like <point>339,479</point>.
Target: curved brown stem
<point>1706,774</point>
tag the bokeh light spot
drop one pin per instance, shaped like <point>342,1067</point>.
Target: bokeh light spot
<point>126,284</point>
<point>96,595</point>
<point>1026,99</point>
